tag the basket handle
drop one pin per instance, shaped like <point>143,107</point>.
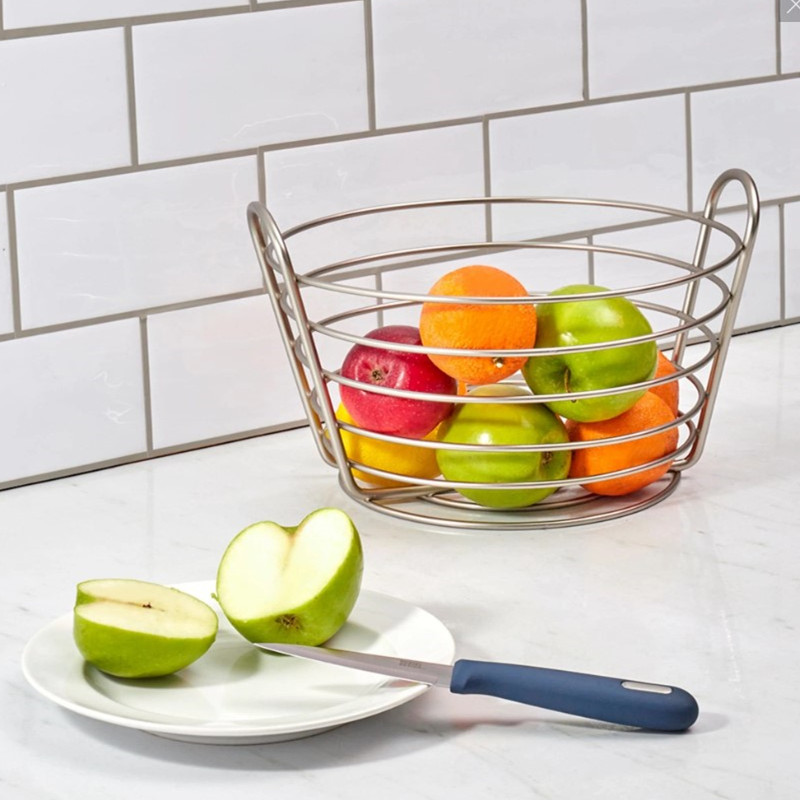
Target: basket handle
<point>753,208</point>
<point>275,262</point>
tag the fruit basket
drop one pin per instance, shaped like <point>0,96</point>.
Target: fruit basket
<point>334,279</point>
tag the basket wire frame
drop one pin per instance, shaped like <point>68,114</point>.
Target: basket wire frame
<point>436,501</point>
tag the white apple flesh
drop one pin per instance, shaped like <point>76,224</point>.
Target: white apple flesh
<point>137,629</point>
<point>295,585</point>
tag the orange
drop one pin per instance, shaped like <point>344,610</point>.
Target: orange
<point>470,326</point>
<point>668,392</point>
<point>401,459</point>
<point>650,411</point>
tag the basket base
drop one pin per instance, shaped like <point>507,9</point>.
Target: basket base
<point>567,509</point>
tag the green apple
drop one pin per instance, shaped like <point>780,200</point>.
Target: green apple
<point>137,629</point>
<point>503,423</point>
<point>581,322</point>
<point>295,585</point>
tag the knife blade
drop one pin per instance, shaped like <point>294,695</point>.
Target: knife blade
<point>620,701</point>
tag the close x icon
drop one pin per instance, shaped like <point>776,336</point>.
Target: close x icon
<point>790,10</point>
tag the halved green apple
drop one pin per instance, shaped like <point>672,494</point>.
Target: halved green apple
<point>137,629</point>
<point>295,585</point>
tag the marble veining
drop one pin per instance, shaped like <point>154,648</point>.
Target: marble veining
<point>702,591</point>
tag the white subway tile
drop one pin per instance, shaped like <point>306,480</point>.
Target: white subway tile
<point>322,303</point>
<point>71,398</point>
<point>309,182</point>
<point>216,370</point>
<point>64,104</point>
<point>635,46</point>
<point>631,151</point>
<point>660,307</point>
<point>751,127</point>
<point>233,82</point>
<point>761,298</point>
<point>760,301</point>
<point>540,270</point>
<point>109,245</point>
<point>30,13</point>
<point>790,46</point>
<point>615,271</point>
<point>6,313</point>
<point>445,59</point>
<point>543,270</point>
<point>792,256</point>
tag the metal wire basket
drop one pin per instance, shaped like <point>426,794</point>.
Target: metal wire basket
<point>692,303</point>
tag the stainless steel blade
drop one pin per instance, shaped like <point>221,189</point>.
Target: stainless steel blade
<point>405,668</point>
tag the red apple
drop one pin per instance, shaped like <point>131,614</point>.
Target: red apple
<point>395,369</point>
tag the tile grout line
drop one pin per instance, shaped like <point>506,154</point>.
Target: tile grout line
<point>778,43</point>
<point>203,301</point>
<point>144,341</point>
<point>671,91</point>
<point>13,262</point>
<point>245,7</point>
<point>380,316</point>
<point>141,456</point>
<point>393,130</point>
<point>487,179</point>
<point>585,49</point>
<point>782,260</point>
<point>369,52</point>
<point>132,314</point>
<point>130,81</point>
<point>110,172</point>
<point>260,151</point>
<point>689,153</point>
<point>34,31</point>
<point>261,176</point>
<point>68,472</point>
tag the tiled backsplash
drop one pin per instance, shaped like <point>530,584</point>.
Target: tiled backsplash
<point>133,321</point>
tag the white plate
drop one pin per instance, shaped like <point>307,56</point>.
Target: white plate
<point>238,694</point>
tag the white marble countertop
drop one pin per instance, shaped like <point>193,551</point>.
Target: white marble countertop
<point>701,591</point>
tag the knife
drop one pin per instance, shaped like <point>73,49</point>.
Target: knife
<point>616,700</point>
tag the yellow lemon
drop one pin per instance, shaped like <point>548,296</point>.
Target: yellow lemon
<point>402,459</point>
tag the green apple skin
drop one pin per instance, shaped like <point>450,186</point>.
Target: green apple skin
<point>295,585</point>
<point>136,629</point>
<point>580,322</point>
<point>503,424</point>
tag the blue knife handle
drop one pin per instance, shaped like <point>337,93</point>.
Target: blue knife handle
<point>624,702</point>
